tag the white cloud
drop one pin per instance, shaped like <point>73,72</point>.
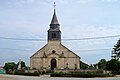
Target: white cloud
<point>32,22</point>
<point>110,0</point>
<point>26,1</point>
<point>83,1</point>
<point>88,31</point>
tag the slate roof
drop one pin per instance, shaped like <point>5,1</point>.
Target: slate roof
<point>54,19</point>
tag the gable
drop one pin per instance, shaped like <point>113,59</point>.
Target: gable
<point>61,51</point>
<point>68,53</point>
<point>40,52</point>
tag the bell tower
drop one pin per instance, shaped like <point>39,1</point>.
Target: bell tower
<point>54,33</point>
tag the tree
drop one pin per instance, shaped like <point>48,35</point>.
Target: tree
<point>9,66</point>
<point>102,64</point>
<point>116,51</point>
<point>22,64</point>
<point>83,65</point>
<point>113,65</point>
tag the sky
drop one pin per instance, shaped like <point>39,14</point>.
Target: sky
<point>30,19</point>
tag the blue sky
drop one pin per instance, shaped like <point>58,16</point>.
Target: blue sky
<point>78,19</point>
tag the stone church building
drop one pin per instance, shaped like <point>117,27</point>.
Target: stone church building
<point>54,55</point>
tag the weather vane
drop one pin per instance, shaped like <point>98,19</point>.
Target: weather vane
<point>54,5</point>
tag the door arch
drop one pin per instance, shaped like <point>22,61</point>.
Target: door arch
<point>53,64</point>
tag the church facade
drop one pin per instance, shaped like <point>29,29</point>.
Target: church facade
<point>54,55</point>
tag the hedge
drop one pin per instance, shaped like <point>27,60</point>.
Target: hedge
<point>26,73</point>
<point>84,75</point>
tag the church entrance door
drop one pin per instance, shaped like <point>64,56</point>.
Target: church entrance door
<point>53,64</point>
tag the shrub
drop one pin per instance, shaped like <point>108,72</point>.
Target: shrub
<point>81,74</point>
<point>26,73</point>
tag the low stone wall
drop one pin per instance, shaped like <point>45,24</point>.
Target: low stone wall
<point>81,70</point>
<point>31,71</point>
<point>71,70</point>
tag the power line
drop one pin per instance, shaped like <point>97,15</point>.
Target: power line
<point>32,39</point>
<point>13,49</point>
<point>10,38</point>
<point>95,37</point>
<point>87,50</point>
<point>94,49</point>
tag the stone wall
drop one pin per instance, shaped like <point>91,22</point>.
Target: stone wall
<point>81,70</point>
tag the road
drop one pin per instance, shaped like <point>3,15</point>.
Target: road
<point>47,77</point>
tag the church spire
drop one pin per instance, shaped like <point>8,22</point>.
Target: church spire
<point>54,33</point>
<point>54,19</point>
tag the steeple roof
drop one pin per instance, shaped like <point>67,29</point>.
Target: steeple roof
<point>54,19</point>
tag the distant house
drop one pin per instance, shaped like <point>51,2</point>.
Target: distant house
<point>2,71</point>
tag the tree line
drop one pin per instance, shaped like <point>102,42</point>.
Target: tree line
<point>12,66</point>
<point>112,65</point>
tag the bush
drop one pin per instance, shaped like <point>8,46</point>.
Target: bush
<point>27,73</point>
<point>84,75</point>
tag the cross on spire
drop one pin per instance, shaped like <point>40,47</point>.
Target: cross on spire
<point>54,19</point>
<point>54,5</point>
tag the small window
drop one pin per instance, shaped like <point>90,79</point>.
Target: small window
<point>53,51</point>
<point>53,35</point>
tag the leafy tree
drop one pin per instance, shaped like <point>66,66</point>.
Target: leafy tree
<point>116,51</point>
<point>92,66</point>
<point>113,65</point>
<point>22,64</point>
<point>83,65</point>
<point>9,66</point>
<point>102,64</point>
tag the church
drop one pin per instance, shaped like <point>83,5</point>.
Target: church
<point>54,55</point>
